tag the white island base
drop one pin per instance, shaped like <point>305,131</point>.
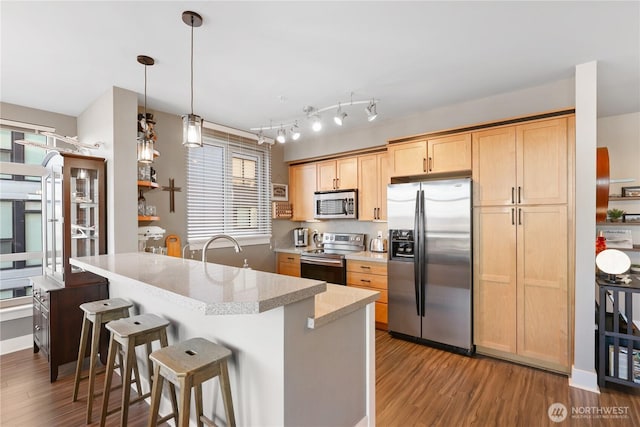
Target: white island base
<point>292,365</point>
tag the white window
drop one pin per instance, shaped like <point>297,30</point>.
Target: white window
<point>228,189</point>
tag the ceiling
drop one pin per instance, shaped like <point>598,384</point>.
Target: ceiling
<point>258,63</point>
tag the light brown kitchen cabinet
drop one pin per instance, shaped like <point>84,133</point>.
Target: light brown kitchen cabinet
<point>449,153</point>
<point>302,184</point>
<point>522,223</point>
<point>524,164</point>
<point>446,154</point>
<point>288,264</point>
<point>373,178</point>
<point>339,174</point>
<point>371,276</point>
<point>407,158</point>
<point>521,283</point>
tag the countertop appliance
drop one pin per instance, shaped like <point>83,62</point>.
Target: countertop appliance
<point>378,244</point>
<point>328,263</point>
<point>429,268</point>
<point>335,204</point>
<point>301,237</point>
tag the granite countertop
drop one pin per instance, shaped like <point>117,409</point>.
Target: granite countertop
<point>338,301</point>
<point>360,256</point>
<point>212,289</point>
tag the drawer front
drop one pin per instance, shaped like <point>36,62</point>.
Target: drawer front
<point>382,314</point>
<point>367,267</point>
<point>288,258</point>
<point>367,280</point>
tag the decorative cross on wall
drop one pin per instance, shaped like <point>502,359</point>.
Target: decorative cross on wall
<point>172,189</point>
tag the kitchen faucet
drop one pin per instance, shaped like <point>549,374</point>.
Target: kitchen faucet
<point>216,237</point>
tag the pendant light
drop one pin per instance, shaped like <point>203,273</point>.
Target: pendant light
<point>191,123</point>
<point>145,142</point>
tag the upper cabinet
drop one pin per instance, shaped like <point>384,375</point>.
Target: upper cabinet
<point>449,153</point>
<point>340,174</point>
<point>524,164</point>
<point>74,215</point>
<point>373,177</point>
<point>445,154</point>
<point>302,184</point>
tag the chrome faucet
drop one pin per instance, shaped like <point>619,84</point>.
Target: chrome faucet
<point>216,237</point>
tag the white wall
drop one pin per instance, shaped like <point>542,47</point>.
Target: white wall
<point>63,124</point>
<point>112,120</point>
<point>583,373</point>
<point>551,96</point>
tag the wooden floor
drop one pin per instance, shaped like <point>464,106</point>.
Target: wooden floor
<point>415,386</point>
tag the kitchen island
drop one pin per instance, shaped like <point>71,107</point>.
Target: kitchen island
<point>303,351</point>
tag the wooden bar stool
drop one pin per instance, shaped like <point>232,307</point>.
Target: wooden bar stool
<point>96,313</point>
<point>126,335</point>
<point>189,364</point>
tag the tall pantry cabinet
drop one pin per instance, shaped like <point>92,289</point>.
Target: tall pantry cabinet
<point>523,222</point>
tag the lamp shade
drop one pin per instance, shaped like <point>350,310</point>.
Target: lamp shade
<point>192,130</point>
<point>145,150</point>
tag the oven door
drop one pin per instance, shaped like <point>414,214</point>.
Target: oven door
<point>330,270</point>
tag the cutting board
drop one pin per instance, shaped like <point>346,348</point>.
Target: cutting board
<point>172,242</point>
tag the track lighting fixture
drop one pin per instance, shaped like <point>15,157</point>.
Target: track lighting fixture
<point>144,145</point>
<point>191,123</point>
<point>371,111</point>
<point>340,116</point>
<point>313,115</point>
<point>260,138</point>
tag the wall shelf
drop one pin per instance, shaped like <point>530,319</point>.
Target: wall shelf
<point>625,199</point>
<point>617,224</point>
<point>148,218</point>
<point>150,184</point>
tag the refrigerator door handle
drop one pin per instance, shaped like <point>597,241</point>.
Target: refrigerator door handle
<point>416,252</point>
<point>423,256</point>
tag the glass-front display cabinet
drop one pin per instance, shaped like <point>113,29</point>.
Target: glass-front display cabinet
<point>73,194</point>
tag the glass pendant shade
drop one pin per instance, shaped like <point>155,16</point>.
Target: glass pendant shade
<point>145,150</point>
<point>192,130</point>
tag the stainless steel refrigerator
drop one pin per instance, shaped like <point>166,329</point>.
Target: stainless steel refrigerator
<point>429,270</point>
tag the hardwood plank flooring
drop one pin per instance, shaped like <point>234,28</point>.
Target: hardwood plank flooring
<point>423,386</point>
<point>415,386</point>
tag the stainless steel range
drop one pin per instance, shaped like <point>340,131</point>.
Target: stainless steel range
<point>328,263</point>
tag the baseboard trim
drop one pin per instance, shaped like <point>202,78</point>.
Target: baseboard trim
<point>15,344</point>
<point>585,380</point>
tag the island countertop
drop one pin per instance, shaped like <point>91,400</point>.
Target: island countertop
<point>212,289</point>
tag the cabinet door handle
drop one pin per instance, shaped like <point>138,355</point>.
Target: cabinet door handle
<point>519,194</point>
<point>337,183</point>
<point>424,165</point>
<point>378,213</point>
<point>513,216</point>
<point>430,164</point>
<point>513,195</point>
<point>38,327</point>
<point>290,259</point>
<point>520,216</point>
<point>365,280</point>
<point>365,267</point>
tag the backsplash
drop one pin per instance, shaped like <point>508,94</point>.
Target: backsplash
<point>283,230</point>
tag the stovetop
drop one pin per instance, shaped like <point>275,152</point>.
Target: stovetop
<point>337,245</point>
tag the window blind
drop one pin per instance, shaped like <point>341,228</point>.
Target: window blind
<point>228,188</point>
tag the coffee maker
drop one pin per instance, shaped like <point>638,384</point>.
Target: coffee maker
<point>300,236</point>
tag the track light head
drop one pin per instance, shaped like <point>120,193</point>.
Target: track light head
<point>340,116</point>
<point>281,138</point>
<point>371,111</point>
<point>295,132</point>
<point>260,138</point>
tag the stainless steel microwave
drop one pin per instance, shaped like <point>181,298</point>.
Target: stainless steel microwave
<point>335,204</point>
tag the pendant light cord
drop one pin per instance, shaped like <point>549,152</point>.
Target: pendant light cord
<point>191,65</point>
<point>145,95</point>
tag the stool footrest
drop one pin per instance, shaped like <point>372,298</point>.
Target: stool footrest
<point>207,421</point>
